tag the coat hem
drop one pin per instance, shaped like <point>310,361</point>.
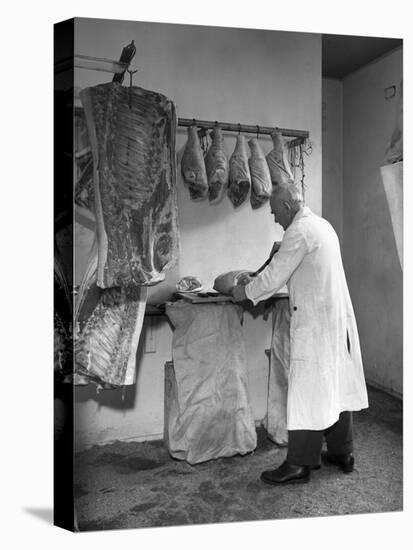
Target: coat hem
<point>324,426</point>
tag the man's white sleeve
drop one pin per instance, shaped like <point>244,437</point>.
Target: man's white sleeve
<point>292,251</point>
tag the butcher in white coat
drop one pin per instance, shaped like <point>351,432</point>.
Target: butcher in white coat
<point>325,380</point>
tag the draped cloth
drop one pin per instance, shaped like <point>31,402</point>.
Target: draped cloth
<point>392,177</point>
<point>207,407</point>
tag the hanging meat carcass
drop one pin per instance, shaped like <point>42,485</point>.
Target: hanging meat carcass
<point>132,135</point>
<point>63,320</point>
<point>277,161</point>
<point>84,163</point>
<point>239,173</point>
<point>110,326</point>
<point>260,175</point>
<point>193,166</point>
<point>216,163</point>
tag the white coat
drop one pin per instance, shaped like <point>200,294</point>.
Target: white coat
<point>326,371</point>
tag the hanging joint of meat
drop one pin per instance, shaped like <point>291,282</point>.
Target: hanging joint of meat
<point>277,161</point>
<point>217,168</point>
<point>239,173</point>
<point>193,166</point>
<point>261,186</point>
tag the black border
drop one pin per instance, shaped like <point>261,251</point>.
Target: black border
<point>63,487</point>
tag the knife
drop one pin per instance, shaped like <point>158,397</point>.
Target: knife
<point>264,265</point>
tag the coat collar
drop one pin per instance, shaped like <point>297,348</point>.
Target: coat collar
<point>303,212</point>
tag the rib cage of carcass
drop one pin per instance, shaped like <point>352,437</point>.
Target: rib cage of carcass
<point>132,136</point>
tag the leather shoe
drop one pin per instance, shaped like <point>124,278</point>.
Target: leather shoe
<point>344,461</point>
<point>287,473</point>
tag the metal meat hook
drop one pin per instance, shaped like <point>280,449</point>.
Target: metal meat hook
<point>131,73</point>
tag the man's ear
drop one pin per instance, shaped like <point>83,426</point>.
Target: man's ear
<point>287,206</point>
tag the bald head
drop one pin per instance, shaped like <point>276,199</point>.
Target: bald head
<point>288,192</point>
<point>286,200</point>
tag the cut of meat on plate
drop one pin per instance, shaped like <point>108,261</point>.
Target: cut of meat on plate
<point>260,175</point>
<point>216,163</point>
<point>189,283</point>
<point>105,348</point>
<point>193,166</point>
<point>277,161</point>
<point>239,173</point>
<point>132,136</point>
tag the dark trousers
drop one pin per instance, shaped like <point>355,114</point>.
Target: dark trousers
<point>304,446</point>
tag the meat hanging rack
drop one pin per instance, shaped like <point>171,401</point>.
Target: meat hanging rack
<point>300,135</point>
<point>119,68</point>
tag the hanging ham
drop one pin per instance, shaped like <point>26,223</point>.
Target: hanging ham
<point>193,166</point>
<point>260,175</point>
<point>239,173</point>
<point>132,135</point>
<point>216,163</point>
<point>277,161</point>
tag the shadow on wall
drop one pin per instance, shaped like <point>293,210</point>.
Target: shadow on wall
<point>123,398</point>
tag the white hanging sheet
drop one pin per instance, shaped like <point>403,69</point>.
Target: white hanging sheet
<point>209,414</point>
<point>392,177</point>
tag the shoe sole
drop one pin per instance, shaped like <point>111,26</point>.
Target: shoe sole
<point>289,482</point>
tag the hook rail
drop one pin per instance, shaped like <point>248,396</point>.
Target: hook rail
<point>301,135</point>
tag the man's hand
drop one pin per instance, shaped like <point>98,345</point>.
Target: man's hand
<point>238,293</point>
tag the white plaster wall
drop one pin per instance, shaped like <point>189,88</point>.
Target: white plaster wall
<point>332,163</point>
<point>370,255</point>
<point>237,75</point>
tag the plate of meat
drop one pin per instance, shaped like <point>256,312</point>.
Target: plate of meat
<point>189,284</point>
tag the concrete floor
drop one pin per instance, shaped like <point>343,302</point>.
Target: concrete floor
<point>132,485</point>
